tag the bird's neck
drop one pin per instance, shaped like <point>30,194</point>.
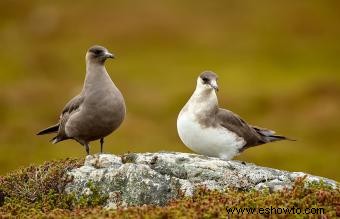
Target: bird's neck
<point>203,101</point>
<point>95,73</point>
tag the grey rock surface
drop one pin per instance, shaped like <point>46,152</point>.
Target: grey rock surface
<point>156,178</point>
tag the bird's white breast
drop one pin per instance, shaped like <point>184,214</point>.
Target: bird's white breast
<point>209,141</point>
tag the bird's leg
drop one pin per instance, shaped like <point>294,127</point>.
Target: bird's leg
<point>87,148</point>
<point>101,145</point>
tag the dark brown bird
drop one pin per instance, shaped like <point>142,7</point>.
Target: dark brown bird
<point>97,111</point>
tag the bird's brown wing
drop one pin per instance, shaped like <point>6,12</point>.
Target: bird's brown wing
<point>236,124</point>
<point>71,107</point>
<point>73,104</point>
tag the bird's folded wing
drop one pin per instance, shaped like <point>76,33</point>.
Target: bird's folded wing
<point>263,131</point>
<point>231,120</point>
<point>236,124</point>
<point>73,104</point>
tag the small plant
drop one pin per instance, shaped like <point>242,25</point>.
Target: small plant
<point>38,187</point>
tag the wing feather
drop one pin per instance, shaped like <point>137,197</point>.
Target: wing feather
<point>236,124</point>
<point>72,106</point>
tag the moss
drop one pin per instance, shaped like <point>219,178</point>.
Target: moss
<point>129,158</point>
<point>38,191</point>
<point>93,198</point>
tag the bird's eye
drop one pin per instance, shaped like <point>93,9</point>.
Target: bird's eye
<point>205,80</point>
<point>97,51</point>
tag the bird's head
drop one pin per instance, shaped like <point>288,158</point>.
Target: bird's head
<point>98,54</point>
<point>207,81</point>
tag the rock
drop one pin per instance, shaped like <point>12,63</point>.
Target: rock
<point>156,178</point>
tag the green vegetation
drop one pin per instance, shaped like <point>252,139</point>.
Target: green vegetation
<point>37,188</point>
<point>278,66</point>
<point>38,191</point>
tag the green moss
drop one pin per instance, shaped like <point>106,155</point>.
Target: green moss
<point>93,198</point>
<point>38,191</point>
<point>129,158</point>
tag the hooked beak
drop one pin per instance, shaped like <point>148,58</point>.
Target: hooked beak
<point>109,55</point>
<point>214,85</point>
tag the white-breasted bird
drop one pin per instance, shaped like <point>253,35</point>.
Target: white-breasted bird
<point>212,131</point>
<point>97,111</point>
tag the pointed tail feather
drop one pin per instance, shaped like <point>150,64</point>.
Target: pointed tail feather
<point>270,136</point>
<point>55,140</point>
<point>51,129</point>
<point>277,138</point>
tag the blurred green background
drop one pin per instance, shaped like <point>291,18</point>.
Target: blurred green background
<point>277,61</point>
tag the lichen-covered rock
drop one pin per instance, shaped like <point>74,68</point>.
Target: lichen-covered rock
<point>156,178</point>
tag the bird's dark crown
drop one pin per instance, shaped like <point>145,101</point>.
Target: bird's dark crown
<point>97,50</point>
<point>207,76</point>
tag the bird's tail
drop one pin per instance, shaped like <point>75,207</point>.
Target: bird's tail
<point>276,138</point>
<point>269,135</point>
<point>55,140</point>
<point>51,129</point>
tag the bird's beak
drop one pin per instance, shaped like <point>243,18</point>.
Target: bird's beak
<point>109,55</point>
<point>214,85</point>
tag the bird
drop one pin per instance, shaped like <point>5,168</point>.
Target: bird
<point>215,132</point>
<point>97,111</point>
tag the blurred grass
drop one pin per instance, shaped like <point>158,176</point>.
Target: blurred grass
<point>278,64</point>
